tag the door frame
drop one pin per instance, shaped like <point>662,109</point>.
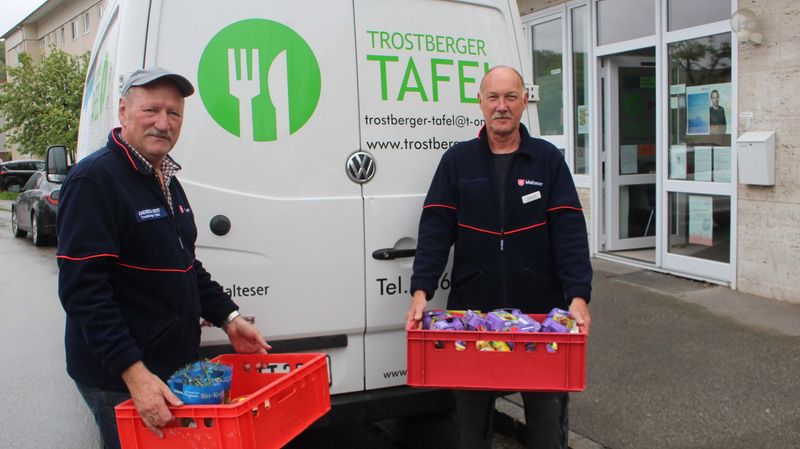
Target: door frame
<point>612,180</point>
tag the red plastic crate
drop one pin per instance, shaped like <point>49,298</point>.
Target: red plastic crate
<point>286,393</point>
<point>518,370</point>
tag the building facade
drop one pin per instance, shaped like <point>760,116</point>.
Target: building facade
<point>664,115</point>
<point>69,25</point>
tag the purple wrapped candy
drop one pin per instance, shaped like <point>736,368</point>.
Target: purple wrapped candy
<point>448,323</point>
<point>501,321</point>
<point>528,324</point>
<point>428,315</point>
<point>550,325</point>
<point>512,311</point>
<point>474,321</point>
<point>559,315</point>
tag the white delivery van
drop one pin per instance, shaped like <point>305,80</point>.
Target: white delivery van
<point>307,151</point>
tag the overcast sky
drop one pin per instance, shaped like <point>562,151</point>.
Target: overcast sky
<point>13,11</point>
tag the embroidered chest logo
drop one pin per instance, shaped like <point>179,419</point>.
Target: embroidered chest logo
<point>528,182</point>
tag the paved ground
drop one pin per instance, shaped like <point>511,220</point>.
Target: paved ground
<point>674,363</point>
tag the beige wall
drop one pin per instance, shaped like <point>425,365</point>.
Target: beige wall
<point>768,230</point>
<point>62,17</point>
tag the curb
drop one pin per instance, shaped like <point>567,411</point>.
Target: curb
<point>510,419</point>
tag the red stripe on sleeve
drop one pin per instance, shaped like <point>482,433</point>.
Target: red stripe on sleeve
<point>93,256</point>
<point>438,205</point>
<point>563,207</point>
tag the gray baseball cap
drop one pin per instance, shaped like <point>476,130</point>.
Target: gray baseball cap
<point>143,77</point>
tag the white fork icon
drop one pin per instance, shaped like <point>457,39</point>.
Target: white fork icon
<point>244,88</point>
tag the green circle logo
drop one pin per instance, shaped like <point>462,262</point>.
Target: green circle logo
<point>259,80</point>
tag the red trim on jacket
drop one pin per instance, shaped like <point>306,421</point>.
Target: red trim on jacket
<point>513,231</point>
<point>438,205</point>
<point>479,229</point>
<point>563,207</point>
<point>127,153</point>
<point>135,267</point>
<point>162,270</point>
<point>526,228</point>
<point>93,256</point>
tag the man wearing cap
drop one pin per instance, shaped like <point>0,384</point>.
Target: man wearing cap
<point>129,282</point>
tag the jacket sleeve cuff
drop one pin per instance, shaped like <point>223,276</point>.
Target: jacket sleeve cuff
<point>578,291</point>
<point>124,360</point>
<point>427,287</point>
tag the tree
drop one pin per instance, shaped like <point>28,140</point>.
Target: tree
<point>2,60</point>
<point>41,101</point>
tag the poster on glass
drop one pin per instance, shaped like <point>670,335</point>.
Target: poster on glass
<point>706,109</point>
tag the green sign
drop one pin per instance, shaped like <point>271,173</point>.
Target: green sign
<point>259,80</point>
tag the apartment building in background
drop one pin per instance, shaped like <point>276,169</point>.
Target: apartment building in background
<point>69,25</point>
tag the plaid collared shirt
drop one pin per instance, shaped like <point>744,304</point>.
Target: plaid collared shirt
<point>168,169</point>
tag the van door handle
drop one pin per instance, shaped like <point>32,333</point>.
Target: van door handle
<point>391,253</point>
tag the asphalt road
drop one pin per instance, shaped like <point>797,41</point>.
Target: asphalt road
<point>679,364</point>
<point>41,408</point>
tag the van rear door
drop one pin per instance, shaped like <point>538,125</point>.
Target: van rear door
<point>419,66</point>
<point>264,149</point>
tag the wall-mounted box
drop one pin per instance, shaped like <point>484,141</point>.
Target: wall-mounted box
<point>756,156</point>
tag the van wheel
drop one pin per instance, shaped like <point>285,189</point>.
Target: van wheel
<point>36,232</point>
<point>15,225</point>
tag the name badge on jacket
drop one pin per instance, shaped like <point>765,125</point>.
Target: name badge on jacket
<point>533,196</point>
<point>153,213</point>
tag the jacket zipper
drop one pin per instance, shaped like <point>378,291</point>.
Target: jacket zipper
<point>171,213</point>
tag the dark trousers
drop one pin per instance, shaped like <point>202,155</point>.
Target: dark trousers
<point>102,403</point>
<point>546,415</point>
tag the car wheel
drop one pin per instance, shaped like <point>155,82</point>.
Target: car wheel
<point>36,232</point>
<point>13,186</point>
<point>15,225</point>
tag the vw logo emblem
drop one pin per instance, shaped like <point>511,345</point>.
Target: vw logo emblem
<point>360,167</point>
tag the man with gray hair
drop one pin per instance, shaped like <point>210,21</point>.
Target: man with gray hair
<point>508,204</point>
<point>130,284</point>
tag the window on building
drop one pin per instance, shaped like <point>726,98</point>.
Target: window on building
<point>688,13</point>
<point>85,23</point>
<point>63,37</point>
<point>74,28</point>
<point>621,20</point>
<point>42,42</point>
<point>580,89</point>
<point>547,74</point>
<point>700,126</point>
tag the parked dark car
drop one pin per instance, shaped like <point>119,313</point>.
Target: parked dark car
<point>35,210</point>
<point>14,174</point>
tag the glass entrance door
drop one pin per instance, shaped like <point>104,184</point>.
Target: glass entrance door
<point>630,160</point>
<point>700,179</point>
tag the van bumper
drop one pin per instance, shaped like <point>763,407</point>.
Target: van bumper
<point>368,406</point>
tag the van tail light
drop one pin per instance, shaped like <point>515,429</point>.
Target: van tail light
<point>3,172</point>
<point>52,197</point>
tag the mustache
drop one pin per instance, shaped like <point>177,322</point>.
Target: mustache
<point>157,133</point>
<point>496,116</point>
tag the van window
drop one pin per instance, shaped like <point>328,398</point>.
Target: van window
<point>33,182</point>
